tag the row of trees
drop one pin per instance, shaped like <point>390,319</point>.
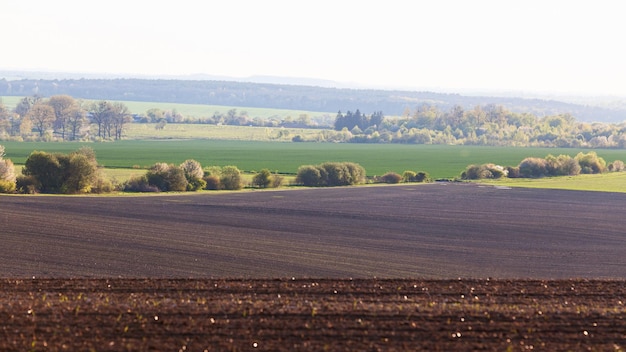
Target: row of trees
<point>533,167</point>
<point>61,117</point>
<point>482,125</point>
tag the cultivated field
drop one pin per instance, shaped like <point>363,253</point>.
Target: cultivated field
<point>149,273</point>
<point>373,268</point>
<point>432,231</point>
<point>311,315</point>
<point>441,161</point>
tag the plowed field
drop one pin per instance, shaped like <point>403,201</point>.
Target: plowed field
<point>426,231</point>
<point>148,273</point>
<point>311,315</point>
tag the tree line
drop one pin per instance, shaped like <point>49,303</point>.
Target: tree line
<point>289,96</point>
<point>489,125</point>
<point>62,117</point>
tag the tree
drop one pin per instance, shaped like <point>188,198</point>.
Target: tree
<point>25,104</point>
<point>46,169</point>
<point>81,174</point>
<point>120,116</point>
<point>7,174</point>
<point>194,175</point>
<point>42,116</point>
<point>62,106</point>
<point>101,114</point>
<point>76,121</point>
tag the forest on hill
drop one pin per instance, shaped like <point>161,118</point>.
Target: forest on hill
<point>287,96</point>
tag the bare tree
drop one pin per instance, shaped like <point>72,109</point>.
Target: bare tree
<point>62,106</point>
<point>42,116</point>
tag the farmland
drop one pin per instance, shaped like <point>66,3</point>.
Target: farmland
<point>301,270</point>
<point>432,231</point>
<point>311,315</point>
<point>193,111</point>
<point>441,161</point>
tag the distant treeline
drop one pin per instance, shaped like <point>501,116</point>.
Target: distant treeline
<point>282,96</point>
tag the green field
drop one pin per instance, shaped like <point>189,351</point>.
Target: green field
<point>614,182</point>
<point>197,110</point>
<point>441,161</point>
<point>147,131</point>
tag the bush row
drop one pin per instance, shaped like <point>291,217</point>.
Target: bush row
<point>533,167</point>
<point>79,172</point>
<point>330,174</point>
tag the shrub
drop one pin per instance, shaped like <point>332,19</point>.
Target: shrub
<point>102,185</point>
<point>533,167</point>
<point>513,171</point>
<point>484,171</point>
<point>263,179</point>
<point>330,174</point>
<point>27,184</point>
<point>231,178</point>
<point>139,184</point>
<point>616,166</point>
<point>356,173</point>
<point>337,174</point>
<point>192,168</point>
<point>7,176</point>
<point>309,175</point>
<point>277,181</point>
<point>422,176</point>
<point>409,176</point>
<point>196,184</point>
<point>563,165</point>
<point>391,177</point>
<point>591,163</point>
<point>167,177</point>
<point>81,174</point>
<point>212,182</point>
<point>46,169</point>
<point>194,175</point>
<point>76,172</point>
<point>7,186</point>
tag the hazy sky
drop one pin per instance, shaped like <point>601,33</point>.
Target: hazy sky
<point>528,45</point>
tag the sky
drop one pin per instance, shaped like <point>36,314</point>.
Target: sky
<point>549,46</point>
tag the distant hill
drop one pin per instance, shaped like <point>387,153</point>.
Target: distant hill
<point>273,92</point>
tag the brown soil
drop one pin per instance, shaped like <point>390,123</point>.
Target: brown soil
<point>427,231</point>
<point>75,269</point>
<point>311,315</point>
